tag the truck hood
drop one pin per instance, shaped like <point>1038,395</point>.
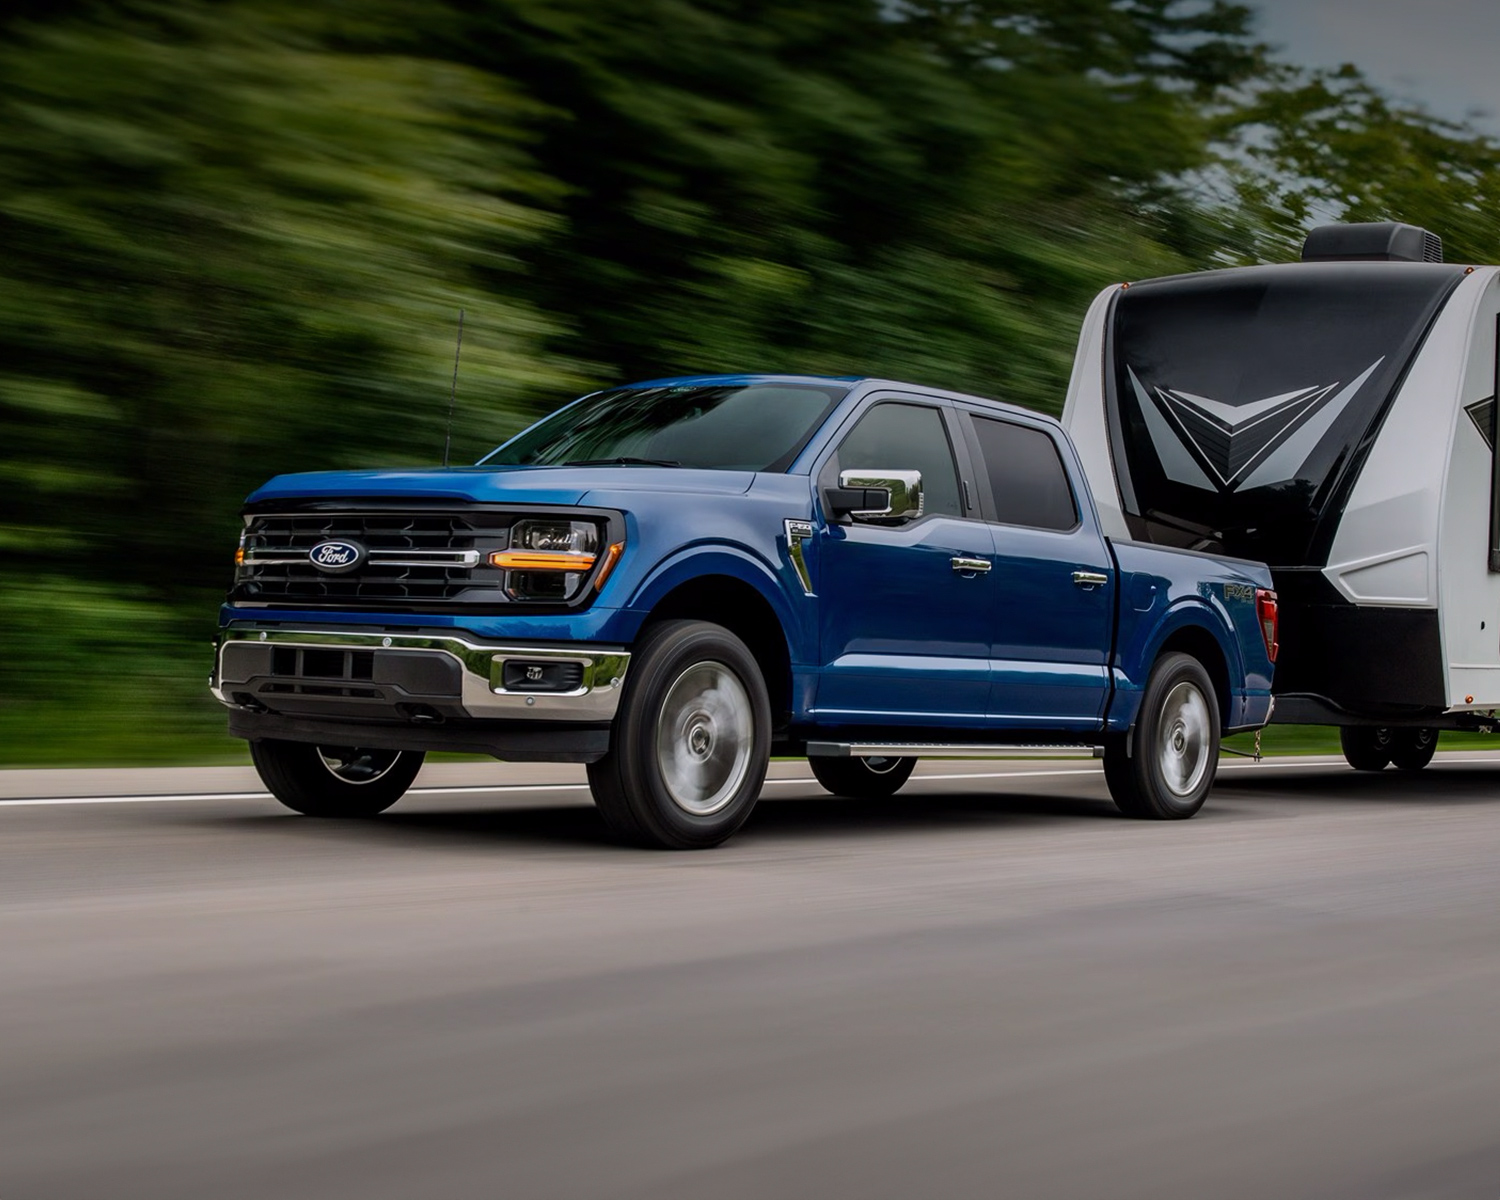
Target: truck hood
<point>500,485</point>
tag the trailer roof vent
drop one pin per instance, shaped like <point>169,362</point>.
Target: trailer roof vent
<point>1377,241</point>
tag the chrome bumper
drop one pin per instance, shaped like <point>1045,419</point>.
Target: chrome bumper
<point>481,674</point>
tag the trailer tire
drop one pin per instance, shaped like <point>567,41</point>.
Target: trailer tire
<point>344,782</point>
<point>1164,771</point>
<point>691,742</point>
<point>1412,749</point>
<point>862,778</point>
<point>1367,747</point>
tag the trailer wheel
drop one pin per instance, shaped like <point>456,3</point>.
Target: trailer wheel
<point>691,741</point>
<point>1367,747</point>
<point>1412,749</point>
<point>334,781</point>
<point>1173,754</point>
<point>862,778</point>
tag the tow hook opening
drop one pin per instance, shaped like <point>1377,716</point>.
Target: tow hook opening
<point>421,714</point>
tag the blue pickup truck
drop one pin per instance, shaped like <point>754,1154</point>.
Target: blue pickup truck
<point>674,580</point>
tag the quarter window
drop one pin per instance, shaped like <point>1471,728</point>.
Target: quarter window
<point>1027,479</point>
<point>905,437</point>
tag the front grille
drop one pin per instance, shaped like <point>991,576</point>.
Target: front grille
<point>411,559</point>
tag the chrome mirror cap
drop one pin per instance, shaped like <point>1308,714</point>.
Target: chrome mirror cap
<point>903,491</point>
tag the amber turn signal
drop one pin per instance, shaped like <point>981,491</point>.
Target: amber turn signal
<point>611,557</point>
<point>541,560</point>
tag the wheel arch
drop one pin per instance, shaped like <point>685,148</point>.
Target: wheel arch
<point>1198,641</point>
<point>742,608</point>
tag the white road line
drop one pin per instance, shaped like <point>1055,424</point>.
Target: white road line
<point>182,797</point>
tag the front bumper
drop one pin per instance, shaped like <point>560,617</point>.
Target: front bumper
<point>415,678</point>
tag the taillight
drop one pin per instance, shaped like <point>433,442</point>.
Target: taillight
<point>1265,613</point>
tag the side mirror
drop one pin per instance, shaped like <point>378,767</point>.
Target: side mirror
<point>877,496</point>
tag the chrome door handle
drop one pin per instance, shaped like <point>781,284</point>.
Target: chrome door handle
<point>974,566</point>
<point>1089,579</point>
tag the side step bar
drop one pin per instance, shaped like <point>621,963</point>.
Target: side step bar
<point>941,750</point>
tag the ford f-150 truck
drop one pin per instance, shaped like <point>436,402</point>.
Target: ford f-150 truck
<point>673,580</point>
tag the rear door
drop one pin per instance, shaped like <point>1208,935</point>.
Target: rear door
<point>1053,594</point>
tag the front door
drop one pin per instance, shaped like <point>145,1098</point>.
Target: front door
<point>905,628</point>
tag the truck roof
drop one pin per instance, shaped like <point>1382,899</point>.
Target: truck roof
<point>850,381</point>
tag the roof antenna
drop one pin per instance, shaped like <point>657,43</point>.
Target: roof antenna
<point>453,394</point>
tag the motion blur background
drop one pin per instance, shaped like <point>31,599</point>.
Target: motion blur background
<point>235,237</point>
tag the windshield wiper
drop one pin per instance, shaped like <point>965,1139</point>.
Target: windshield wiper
<point>623,460</point>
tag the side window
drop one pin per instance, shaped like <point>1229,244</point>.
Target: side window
<point>905,437</point>
<point>1027,478</point>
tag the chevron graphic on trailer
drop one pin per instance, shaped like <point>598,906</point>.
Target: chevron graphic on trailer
<point>1221,447</point>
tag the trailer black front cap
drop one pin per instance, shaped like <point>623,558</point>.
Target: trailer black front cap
<point>1375,241</point>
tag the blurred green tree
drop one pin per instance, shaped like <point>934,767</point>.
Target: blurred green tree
<point>931,189</point>
<point>237,238</point>
<point>1309,147</point>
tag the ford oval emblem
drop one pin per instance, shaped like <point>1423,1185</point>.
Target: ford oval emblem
<point>336,556</point>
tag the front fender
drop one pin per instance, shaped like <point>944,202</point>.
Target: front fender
<point>705,559</point>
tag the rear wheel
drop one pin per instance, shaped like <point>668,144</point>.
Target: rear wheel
<point>690,745</point>
<point>1368,747</point>
<point>1173,754</point>
<point>1412,749</point>
<point>334,781</point>
<point>862,778</point>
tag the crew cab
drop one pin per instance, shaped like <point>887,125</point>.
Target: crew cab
<point>673,580</point>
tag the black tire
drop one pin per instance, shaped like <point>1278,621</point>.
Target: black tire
<point>1367,747</point>
<point>1173,754</point>
<point>691,742</point>
<point>862,778</point>
<point>334,781</point>
<point>1412,749</point>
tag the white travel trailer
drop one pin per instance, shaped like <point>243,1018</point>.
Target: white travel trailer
<point>1336,419</point>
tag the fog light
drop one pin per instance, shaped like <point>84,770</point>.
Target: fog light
<point>521,675</point>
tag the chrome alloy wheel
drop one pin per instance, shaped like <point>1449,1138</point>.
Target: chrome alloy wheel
<point>704,738</point>
<point>879,765</point>
<point>1183,739</point>
<point>350,764</point>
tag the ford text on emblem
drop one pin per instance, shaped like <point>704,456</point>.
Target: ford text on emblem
<point>336,556</point>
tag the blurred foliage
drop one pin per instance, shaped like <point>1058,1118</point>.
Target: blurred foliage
<point>1312,146</point>
<point>237,236</point>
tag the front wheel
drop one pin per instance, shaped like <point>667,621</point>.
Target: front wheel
<point>691,742</point>
<point>862,778</point>
<point>1169,767</point>
<point>334,781</point>
<point>1368,747</point>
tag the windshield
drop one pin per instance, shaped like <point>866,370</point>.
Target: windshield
<point>726,427</point>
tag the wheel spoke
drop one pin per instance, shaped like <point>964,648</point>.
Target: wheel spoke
<point>705,732</point>
<point>1183,737</point>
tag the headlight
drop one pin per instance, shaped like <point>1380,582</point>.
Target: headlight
<point>548,559</point>
<point>573,537</point>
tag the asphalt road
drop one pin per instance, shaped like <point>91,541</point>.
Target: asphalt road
<point>993,987</point>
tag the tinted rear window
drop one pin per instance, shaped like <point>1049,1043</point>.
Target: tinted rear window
<point>1026,474</point>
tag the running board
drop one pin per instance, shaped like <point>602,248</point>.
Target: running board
<point>937,750</point>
